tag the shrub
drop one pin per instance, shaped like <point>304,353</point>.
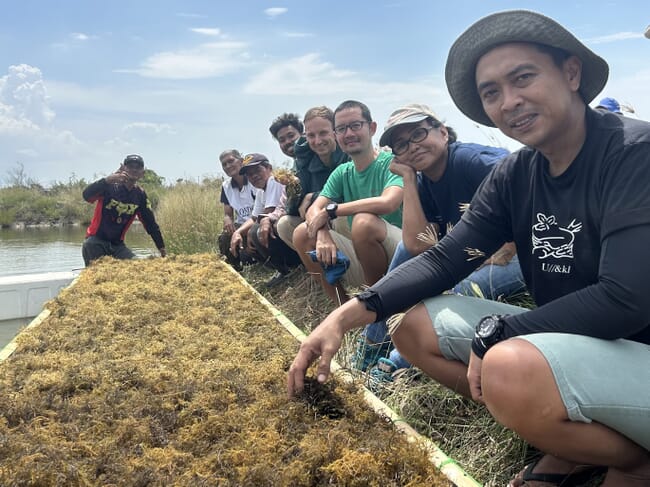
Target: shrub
<point>190,217</point>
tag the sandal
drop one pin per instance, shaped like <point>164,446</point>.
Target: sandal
<point>571,479</point>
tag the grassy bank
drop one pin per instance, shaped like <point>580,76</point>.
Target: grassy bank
<point>23,201</point>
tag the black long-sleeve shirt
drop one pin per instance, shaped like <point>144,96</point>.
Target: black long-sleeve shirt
<point>116,208</point>
<point>581,238</point>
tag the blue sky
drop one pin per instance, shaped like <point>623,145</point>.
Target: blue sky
<point>83,83</point>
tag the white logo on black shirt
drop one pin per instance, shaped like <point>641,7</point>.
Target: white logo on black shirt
<point>550,240</point>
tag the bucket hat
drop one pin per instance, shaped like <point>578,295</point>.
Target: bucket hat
<point>513,26</point>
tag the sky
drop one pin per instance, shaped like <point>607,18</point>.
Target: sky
<point>84,83</point>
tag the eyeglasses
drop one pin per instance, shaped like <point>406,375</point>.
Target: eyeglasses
<point>354,126</point>
<point>418,135</point>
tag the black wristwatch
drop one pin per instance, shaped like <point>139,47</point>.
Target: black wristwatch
<point>331,210</point>
<point>489,331</point>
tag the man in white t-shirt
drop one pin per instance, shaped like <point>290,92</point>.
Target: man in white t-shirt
<point>237,198</point>
<point>270,197</point>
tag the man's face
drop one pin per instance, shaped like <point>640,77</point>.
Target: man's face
<point>526,95</point>
<point>287,137</point>
<point>320,136</point>
<point>352,141</point>
<point>427,152</point>
<point>133,172</point>
<point>258,175</point>
<point>231,165</point>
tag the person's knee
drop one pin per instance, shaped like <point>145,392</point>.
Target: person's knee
<point>300,238</point>
<point>517,385</point>
<point>367,227</point>
<point>415,337</point>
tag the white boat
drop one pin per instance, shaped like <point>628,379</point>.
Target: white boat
<point>23,296</point>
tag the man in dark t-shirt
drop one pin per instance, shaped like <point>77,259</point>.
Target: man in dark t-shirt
<point>570,376</point>
<point>118,200</point>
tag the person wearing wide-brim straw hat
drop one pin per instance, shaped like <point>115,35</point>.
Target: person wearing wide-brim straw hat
<point>571,375</point>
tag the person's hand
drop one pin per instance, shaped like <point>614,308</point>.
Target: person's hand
<point>401,169</point>
<point>228,225</point>
<point>317,222</point>
<point>325,249</point>
<point>474,377</point>
<point>322,342</point>
<point>236,243</point>
<point>118,177</point>
<point>163,252</point>
<point>304,206</point>
<point>265,231</point>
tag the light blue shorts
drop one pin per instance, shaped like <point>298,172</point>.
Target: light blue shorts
<point>607,381</point>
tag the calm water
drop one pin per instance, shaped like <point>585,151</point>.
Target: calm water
<point>34,250</point>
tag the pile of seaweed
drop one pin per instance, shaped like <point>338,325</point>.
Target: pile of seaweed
<point>171,372</point>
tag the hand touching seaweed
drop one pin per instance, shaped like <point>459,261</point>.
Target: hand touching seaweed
<point>324,341</point>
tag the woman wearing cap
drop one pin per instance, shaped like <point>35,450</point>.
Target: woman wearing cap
<point>440,177</point>
<point>571,376</point>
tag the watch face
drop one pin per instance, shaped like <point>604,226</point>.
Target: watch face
<point>330,207</point>
<point>487,326</point>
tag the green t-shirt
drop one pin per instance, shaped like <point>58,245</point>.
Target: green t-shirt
<point>347,184</point>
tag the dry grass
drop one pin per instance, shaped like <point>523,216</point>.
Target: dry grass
<point>170,372</point>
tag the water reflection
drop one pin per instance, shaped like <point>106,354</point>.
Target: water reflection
<point>53,249</point>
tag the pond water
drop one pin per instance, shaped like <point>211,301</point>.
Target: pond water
<point>54,249</point>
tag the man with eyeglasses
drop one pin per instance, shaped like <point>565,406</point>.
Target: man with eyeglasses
<point>367,195</point>
<point>440,177</point>
<point>118,201</point>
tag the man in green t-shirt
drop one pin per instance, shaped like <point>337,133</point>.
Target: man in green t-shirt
<point>367,194</point>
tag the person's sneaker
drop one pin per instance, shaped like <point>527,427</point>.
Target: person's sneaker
<point>381,374</point>
<point>276,279</point>
<point>367,354</point>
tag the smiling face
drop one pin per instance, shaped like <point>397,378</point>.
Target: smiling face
<point>258,175</point>
<point>320,136</point>
<point>354,142</point>
<point>287,137</point>
<point>427,155</point>
<point>231,165</point>
<point>527,96</point>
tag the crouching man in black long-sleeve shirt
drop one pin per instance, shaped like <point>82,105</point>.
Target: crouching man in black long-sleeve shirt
<point>118,201</point>
<point>571,377</point>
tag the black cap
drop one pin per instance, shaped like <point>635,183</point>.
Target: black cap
<point>134,159</point>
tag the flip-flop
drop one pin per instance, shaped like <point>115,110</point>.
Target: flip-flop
<point>571,479</point>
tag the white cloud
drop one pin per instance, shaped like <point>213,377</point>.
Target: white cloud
<point>204,61</point>
<point>156,128</point>
<point>207,31</point>
<point>80,36</point>
<point>275,11</point>
<point>619,36</point>
<point>24,104</point>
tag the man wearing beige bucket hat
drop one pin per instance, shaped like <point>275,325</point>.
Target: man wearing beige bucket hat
<point>570,376</point>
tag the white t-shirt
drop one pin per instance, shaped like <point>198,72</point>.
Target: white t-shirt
<point>240,199</point>
<point>273,196</point>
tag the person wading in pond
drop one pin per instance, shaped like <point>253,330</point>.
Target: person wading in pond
<point>570,376</point>
<point>118,200</point>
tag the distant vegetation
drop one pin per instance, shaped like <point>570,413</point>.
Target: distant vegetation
<point>25,201</point>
